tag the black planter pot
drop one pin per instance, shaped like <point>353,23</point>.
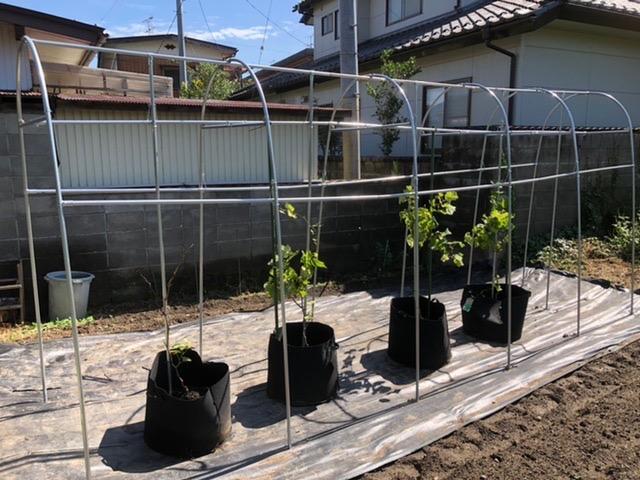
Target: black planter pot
<point>435,351</point>
<point>189,425</point>
<point>485,316</point>
<point>313,370</point>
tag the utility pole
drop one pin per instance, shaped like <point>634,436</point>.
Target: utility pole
<point>348,28</point>
<point>182,49</point>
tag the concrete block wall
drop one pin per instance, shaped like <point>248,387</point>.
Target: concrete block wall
<point>119,244</point>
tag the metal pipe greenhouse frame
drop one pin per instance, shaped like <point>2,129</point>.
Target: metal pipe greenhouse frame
<point>415,126</point>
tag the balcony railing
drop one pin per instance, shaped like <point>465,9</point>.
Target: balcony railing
<point>64,78</point>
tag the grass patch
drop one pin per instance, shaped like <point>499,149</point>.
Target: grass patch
<point>24,333</point>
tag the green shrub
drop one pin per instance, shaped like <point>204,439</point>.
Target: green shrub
<point>622,235</point>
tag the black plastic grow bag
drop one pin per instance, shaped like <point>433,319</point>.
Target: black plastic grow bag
<point>313,370</point>
<point>435,351</point>
<point>192,425</point>
<point>485,316</point>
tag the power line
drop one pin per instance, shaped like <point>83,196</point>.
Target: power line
<point>204,16</point>
<point>264,36</point>
<point>113,5</point>
<point>275,24</point>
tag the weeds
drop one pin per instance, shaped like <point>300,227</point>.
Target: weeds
<point>30,331</point>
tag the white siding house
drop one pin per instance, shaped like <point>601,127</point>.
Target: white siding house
<point>572,44</point>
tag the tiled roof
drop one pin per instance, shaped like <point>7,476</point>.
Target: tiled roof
<point>472,19</point>
<point>487,14</point>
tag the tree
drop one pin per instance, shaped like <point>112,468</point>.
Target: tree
<point>222,87</point>
<point>388,103</point>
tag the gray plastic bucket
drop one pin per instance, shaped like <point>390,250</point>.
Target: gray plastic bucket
<point>59,304</point>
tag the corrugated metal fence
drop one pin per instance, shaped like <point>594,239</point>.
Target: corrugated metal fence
<point>122,155</point>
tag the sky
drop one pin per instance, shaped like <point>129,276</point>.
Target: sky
<point>246,25</point>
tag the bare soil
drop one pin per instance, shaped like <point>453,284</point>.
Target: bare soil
<point>584,426</point>
<point>148,316</point>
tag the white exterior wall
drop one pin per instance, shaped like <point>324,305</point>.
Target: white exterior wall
<point>562,55</point>
<point>577,56</point>
<point>324,45</point>
<point>372,17</point>
<point>8,55</point>
<point>193,50</point>
<point>478,63</point>
<point>122,155</point>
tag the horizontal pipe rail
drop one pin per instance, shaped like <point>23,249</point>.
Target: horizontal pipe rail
<point>41,120</point>
<point>338,183</point>
<point>338,126</point>
<point>339,198</point>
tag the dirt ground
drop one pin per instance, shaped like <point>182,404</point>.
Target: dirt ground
<point>583,426</point>
<point>146,316</point>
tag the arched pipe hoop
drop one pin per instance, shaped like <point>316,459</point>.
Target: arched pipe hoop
<point>28,44</point>
<point>277,229</point>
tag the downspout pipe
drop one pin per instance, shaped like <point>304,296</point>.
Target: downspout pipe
<point>513,69</point>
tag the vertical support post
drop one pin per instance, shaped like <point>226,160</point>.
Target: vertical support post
<point>476,205</point>
<point>310,174</point>
<point>432,166</point>
<point>404,260</point>
<point>156,175</point>
<point>201,185</point>
<point>532,193</point>
<point>509,244</point>
<point>27,211</point>
<point>554,207</point>
<point>415,182</point>
<point>495,254</point>
<point>323,185</point>
<point>506,131</point>
<point>633,219</point>
<point>65,245</point>
<point>576,155</point>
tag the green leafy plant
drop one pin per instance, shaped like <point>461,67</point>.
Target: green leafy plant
<point>491,234</point>
<point>429,227</point>
<point>430,232</point>
<point>199,77</point>
<point>622,236</point>
<point>27,332</point>
<point>388,103</point>
<point>299,269</point>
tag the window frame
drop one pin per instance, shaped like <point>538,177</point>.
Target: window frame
<point>403,18</point>
<point>336,29</point>
<point>426,138</point>
<point>330,23</point>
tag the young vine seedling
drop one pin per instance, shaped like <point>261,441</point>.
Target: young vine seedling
<point>429,231</point>
<point>299,268</point>
<point>491,234</point>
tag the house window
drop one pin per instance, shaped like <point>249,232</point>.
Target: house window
<point>336,25</point>
<point>446,108</point>
<point>328,24</point>
<point>172,71</point>
<point>398,10</point>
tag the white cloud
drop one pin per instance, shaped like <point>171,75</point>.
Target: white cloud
<point>223,34</point>
<point>232,33</point>
<point>138,28</point>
